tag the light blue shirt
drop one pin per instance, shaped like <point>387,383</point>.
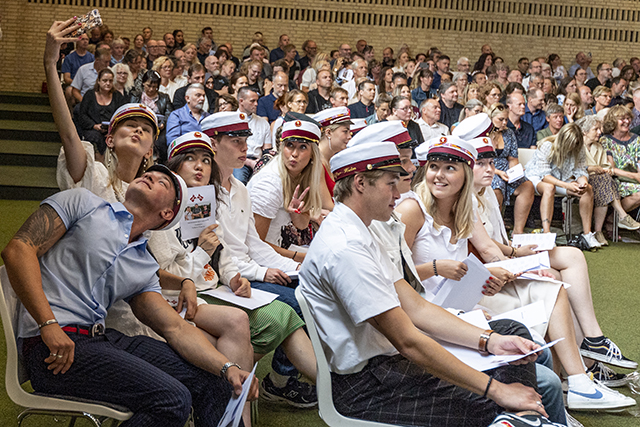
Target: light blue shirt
<point>181,121</point>
<point>85,78</point>
<point>93,265</point>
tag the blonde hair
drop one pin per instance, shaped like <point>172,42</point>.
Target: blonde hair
<point>465,96</point>
<point>462,208</point>
<point>159,62</point>
<point>575,97</point>
<point>311,177</point>
<point>188,46</point>
<point>129,83</point>
<point>568,144</point>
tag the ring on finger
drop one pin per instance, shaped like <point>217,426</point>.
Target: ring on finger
<point>539,403</point>
<point>53,354</point>
<point>59,356</point>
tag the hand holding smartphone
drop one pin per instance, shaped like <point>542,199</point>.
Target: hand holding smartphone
<point>87,23</point>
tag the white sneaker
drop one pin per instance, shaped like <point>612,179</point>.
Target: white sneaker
<point>591,240</point>
<point>596,396</point>
<point>572,422</point>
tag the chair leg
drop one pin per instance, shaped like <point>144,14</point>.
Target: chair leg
<point>74,416</point>
<point>614,234</point>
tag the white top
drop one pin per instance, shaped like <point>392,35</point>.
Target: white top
<point>490,216</point>
<point>432,131</point>
<point>261,135</point>
<point>186,260</point>
<point>170,90</point>
<point>267,199</point>
<point>309,78</point>
<point>251,255</point>
<point>347,279</point>
<point>539,166</point>
<point>276,124</point>
<point>391,236</point>
<point>95,178</point>
<point>350,87</point>
<point>431,244</point>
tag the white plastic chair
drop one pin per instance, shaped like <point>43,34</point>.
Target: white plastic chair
<point>326,409</point>
<point>36,403</point>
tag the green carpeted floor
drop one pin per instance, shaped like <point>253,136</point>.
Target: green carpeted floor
<point>615,279</point>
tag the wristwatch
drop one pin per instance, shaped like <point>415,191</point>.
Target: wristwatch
<point>225,367</point>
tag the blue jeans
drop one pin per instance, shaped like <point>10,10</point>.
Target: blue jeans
<point>140,373</point>
<point>550,388</point>
<point>243,174</point>
<point>280,364</point>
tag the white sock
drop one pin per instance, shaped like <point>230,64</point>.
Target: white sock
<point>581,383</point>
<point>278,380</point>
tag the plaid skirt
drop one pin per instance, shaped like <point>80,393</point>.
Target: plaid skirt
<point>605,189</point>
<point>394,390</point>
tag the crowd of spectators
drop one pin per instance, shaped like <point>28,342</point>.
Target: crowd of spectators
<point>267,128</point>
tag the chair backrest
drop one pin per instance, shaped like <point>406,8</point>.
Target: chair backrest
<point>524,155</point>
<point>15,373</point>
<point>326,408</point>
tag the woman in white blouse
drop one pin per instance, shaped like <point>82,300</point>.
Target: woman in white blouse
<point>559,166</point>
<point>567,264</point>
<point>286,193</point>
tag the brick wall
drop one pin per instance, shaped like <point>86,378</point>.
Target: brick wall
<point>458,27</point>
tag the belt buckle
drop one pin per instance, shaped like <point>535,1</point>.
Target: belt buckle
<point>97,329</point>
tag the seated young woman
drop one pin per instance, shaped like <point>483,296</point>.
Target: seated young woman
<point>559,166</point>
<point>286,193</point>
<point>567,264</point>
<point>440,222</point>
<point>209,265</point>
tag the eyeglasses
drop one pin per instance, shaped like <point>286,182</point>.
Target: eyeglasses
<point>407,108</point>
<point>167,67</point>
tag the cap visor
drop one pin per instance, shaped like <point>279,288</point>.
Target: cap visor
<point>396,169</point>
<point>237,133</point>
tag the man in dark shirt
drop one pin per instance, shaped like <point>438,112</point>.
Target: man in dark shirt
<point>265,104</point>
<point>603,78</point>
<point>449,104</point>
<point>364,108</point>
<point>524,131</point>
<point>534,113</point>
<point>319,98</point>
<point>196,75</point>
<point>204,46</point>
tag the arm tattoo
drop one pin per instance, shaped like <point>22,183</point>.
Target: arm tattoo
<point>42,229</point>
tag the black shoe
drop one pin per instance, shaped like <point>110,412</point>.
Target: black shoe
<point>606,375</point>
<point>525,420</point>
<point>606,351</point>
<point>579,242</point>
<point>295,393</point>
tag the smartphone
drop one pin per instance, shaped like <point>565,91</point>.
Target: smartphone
<point>88,22</point>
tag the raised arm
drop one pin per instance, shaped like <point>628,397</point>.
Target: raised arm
<point>74,152</point>
<point>36,236</point>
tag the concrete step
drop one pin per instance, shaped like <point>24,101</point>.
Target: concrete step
<point>36,113</point>
<point>28,130</point>
<point>24,98</point>
<point>27,183</point>
<point>29,153</point>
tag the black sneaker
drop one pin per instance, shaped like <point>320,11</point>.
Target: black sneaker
<point>525,419</point>
<point>295,393</point>
<point>606,375</point>
<point>606,351</point>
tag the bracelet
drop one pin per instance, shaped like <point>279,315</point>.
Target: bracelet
<point>225,368</point>
<point>486,390</point>
<point>513,251</point>
<point>435,270</point>
<point>184,280</point>
<point>47,323</point>
<point>483,343</point>
<point>294,255</point>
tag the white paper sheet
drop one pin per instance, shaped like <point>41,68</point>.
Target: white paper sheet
<point>476,318</point>
<point>465,293</point>
<point>258,298</point>
<point>544,241</point>
<point>293,275</point>
<point>530,315</point>
<point>531,276</point>
<point>300,249</point>
<point>515,173</point>
<point>527,263</point>
<point>200,211</point>
<point>472,358</point>
<point>233,413</point>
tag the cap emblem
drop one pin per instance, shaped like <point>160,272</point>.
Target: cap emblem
<point>443,139</point>
<point>298,123</point>
<point>197,134</point>
<point>242,116</point>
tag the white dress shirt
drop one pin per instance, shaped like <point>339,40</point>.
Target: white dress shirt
<point>431,131</point>
<point>252,256</point>
<point>347,279</point>
<point>261,135</point>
